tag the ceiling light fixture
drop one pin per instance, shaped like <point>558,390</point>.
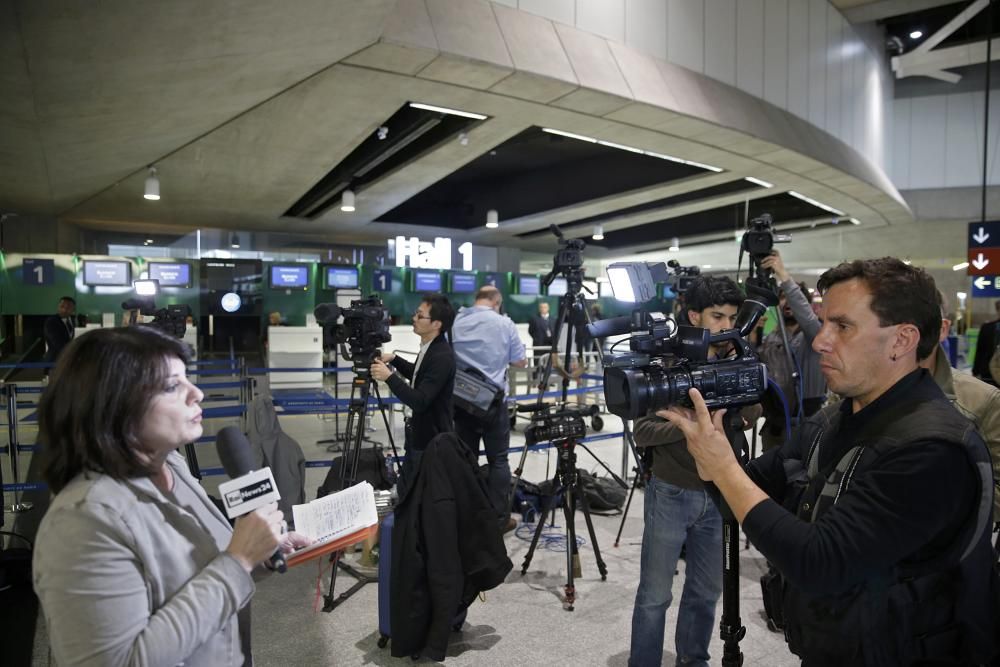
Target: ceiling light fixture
<point>855,221</point>
<point>916,34</point>
<point>152,191</point>
<point>631,149</point>
<point>757,181</point>
<point>570,135</point>
<point>492,219</point>
<point>598,233</point>
<point>675,245</point>
<point>621,147</point>
<point>446,110</point>
<point>347,201</point>
<point>810,200</point>
<point>234,241</point>
<point>463,138</point>
<point>959,267</point>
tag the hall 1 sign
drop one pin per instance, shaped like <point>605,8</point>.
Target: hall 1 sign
<point>419,254</point>
<point>37,272</point>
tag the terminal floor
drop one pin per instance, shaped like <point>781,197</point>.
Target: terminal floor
<point>522,622</point>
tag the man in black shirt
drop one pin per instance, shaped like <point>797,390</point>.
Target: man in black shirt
<point>876,514</point>
<point>59,329</point>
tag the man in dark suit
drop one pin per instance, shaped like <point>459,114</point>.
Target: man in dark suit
<point>425,386</point>
<point>986,344</point>
<point>540,330</point>
<point>59,329</point>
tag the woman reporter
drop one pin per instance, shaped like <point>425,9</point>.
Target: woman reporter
<point>133,563</point>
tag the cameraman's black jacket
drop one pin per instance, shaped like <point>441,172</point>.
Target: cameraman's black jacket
<point>430,396</point>
<point>883,539</point>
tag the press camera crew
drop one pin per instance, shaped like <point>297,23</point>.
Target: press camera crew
<point>679,513</point>
<point>425,386</point>
<point>877,513</point>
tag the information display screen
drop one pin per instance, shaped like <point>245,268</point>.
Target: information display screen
<point>463,283</point>
<point>240,278</point>
<point>529,285</point>
<point>289,277</point>
<point>426,281</point>
<point>557,287</point>
<point>341,277</point>
<point>170,275</point>
<point>118,274</point>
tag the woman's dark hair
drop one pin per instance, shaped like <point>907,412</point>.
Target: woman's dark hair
<point>441,310</point>
<point>708,291</point>
<point>91,413</point>
<point>901,294</point>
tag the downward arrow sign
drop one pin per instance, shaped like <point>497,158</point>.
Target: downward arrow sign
<point>981,282</point>
<point>980,236</point>
<point>980,262</point>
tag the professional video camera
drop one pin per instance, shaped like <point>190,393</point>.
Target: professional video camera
<point>364,329</point>
<point>559,424</point>
<point>681,277</point>
<point>666,360</point>
<point>171,320</point>
<point>759,238</point>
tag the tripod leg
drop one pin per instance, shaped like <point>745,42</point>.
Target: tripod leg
<point>628,504</point>
<point>515,479</point>
<point>546,508</point>
<point>601,567</point>
<point>573,568</point>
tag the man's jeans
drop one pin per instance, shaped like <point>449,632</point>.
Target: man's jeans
<point>674,517</point>
<point>496,438</point>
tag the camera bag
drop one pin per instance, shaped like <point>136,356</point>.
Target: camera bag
<point>475,394</point>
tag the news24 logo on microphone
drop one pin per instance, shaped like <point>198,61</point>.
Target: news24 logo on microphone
<point>248,492</point>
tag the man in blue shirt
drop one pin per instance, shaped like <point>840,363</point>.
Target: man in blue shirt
<point>488,341</point>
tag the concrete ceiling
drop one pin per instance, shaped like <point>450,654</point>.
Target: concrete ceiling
<point>244,106</point>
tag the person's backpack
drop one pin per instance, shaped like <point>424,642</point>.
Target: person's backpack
<point>372,468</point>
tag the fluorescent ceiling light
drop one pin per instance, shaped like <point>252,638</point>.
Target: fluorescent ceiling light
<point>453,112</point>
<point>855,221</point>
<point>757,181</point>
<point>810,200</point>
<point>632,149</point>
<point>959,267</point>
<point>622,147</point>
<point>579,137</point>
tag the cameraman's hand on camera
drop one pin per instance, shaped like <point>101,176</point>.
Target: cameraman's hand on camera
<point>707,442</point>
<point>380,371</point>
<point>388,357</point>
<point>775,263</point>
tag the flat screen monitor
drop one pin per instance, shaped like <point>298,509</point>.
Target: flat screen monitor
<point>294,276</point>
<point>529,285</point>
<point>341,277</point>
<point>426,281</point>
<point>170,275</point>
<point>96,272</point>
<point>557,287</point>
<point>240,277</point>
<point>463,283</point>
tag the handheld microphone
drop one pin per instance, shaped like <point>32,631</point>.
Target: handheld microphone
<point>248,489</point>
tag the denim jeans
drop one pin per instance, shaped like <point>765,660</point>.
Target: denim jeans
<point>495,435</point>
<point>674,517</point>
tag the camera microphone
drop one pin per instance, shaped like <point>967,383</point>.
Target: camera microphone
<point>610,327</point>
<point>248,489</point>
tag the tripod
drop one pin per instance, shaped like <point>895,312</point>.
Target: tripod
<point>731,628</point>
<point>362,387</point>
<point>567,484</point>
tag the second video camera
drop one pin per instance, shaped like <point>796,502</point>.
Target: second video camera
<point>365,326</point>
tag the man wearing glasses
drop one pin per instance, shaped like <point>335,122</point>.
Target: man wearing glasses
<point>425,386</point>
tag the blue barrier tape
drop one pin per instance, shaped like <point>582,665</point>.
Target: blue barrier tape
<point>26,486</point>
<point>29,364</point>
<point>228,411</point>
<point>216,362</point>
<point>325,369</point>
<point>29,390</point>
<point>229,372</point>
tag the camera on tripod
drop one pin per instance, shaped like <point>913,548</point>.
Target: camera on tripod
<point>548,424</point>
<point>666,360</point>
<point>681,277</point>
<point>365,327</point>
<point>171,319</point>
<point>759,238</point>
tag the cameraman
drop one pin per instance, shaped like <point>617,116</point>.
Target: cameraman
<point>679,513</point>
<point>876,513</point>
<point>431,377</point>
<point>488,341</point>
